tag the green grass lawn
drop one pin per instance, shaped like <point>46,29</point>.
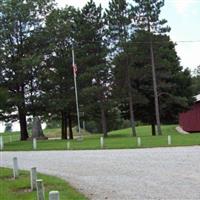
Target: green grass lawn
<point>19,189</point>
<point>120,139</point>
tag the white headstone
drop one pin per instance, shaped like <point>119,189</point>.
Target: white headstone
<point>1,143</point>
<point>33,175</point>
<point>15,168</point>
<point>40,189</point>
<point>139,142</point>
<point>102,142</point>
<point>34,143</point>
<point>54,195</point>
<point>169,138</point>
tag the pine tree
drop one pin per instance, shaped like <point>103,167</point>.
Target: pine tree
<point>56,75</point>
<point>93,68</point>
<point>120,27</point>
<point>147,14</point>
<point>19,21</point>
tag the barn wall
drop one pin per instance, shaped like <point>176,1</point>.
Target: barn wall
<point>190,120</point>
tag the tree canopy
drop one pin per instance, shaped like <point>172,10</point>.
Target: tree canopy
<point>127,65</point>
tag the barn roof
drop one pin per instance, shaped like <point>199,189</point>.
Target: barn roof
<point>197,97</point>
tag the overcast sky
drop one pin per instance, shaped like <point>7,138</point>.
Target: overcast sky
<point>183,18</point>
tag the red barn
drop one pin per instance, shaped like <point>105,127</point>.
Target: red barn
<point>190,120</point>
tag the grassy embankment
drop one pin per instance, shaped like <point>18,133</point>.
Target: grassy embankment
<point>20,188</point>
<point>120,139</point>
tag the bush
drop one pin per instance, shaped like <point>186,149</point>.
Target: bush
<point>92,127</point>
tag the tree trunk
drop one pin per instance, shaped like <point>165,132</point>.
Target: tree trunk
<point>22,114</point>
<point>155,90</point>
<point>153,129</point>
<point>103,122</point>
<point>70,127</point>
<point>132,118</point>
<point>23,124</point>
<point>64,126</point>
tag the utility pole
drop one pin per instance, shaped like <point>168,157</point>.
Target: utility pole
<point>155,89</point>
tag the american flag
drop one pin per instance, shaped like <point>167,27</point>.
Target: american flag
<point>74,66</point>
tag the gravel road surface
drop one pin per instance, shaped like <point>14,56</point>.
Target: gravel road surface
<point>159,173</point>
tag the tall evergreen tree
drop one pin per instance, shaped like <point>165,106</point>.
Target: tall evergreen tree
<point>93,69</point>
<point>19,20</point>
<point>120,27</point>
<point>56,76</point>
<point>147,13</point>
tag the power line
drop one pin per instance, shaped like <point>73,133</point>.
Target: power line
<point>87,42</point>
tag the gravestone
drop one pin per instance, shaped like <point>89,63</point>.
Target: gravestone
<point>37,131</point>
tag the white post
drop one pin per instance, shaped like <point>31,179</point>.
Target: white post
<point>33,175</point>
<point>102,142</point>
<point>15,168</point>
<point>68,145</point>
<point>1,143</point>
<point>54,195</point>
<point>10,138</point>
<point>76,93</point>
<point>169,138</point>
<point>34,143</point>
<point>139,142</point>
<point>40,189</point>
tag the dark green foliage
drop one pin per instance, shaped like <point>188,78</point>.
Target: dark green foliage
<point>94,70</point>
<point>174,83</point>
<point>196,81</point>
<point>120,26</point>
<point>147,16</point>
<point>19,22</point>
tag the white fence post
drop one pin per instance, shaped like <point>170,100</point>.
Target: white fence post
<point>15,168</point>
<point>1,143</point>
<point>54,195</point>
<point>33,176</point>
<point>139,142</point>
<point>169,138</point>
<point>40,189</point>
<point>102,142</point>
<point>10,138</point>
<point>34,143</point>
<point>68,145</point>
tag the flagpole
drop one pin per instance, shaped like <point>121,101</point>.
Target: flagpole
<point>76,94</point>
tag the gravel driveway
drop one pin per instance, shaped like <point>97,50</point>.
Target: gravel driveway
<point>159,173</point>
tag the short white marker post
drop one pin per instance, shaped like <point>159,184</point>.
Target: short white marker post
<point>33,175</point>
<point>10,138</point>
<point>40,189</point>
<point>169,138</point>
<point>68,145</point>
<point>102,142</point>
<point>139,142</point>
<point>1,143</point>
<point>54,195</point>
<point>15,168</point>
<point>34,143</point>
